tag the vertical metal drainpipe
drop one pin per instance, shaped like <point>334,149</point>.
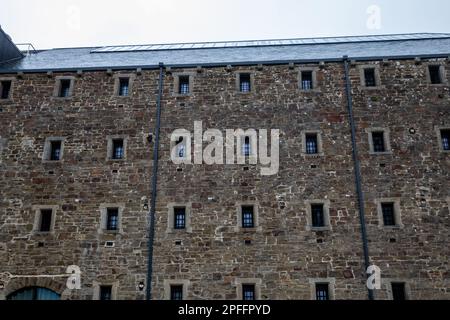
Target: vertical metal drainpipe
<point>362,219</point>
<point>151,233</point>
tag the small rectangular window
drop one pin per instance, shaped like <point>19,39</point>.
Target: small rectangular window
<point>64,88</point>
<point>378,142</point>
<point>398,291</point>
<point>46,220</point>
<point>307,80</point>
<point>388,211</point>
<point>105,292</point>
<point>124,84</point>
<point>245,82</point>
<point>318,218</point>
<point>179,218</point>
<point>112,219</point>
<point>183,87</point>
<point>176,292</point>
<point>311,143</point>
<point>117,149</point>
<point>322,291</point>
<point>435,74</point>
<point>5,87</point>
<point>248,292</point>
<point>369,77</point>
<point>248,217</point>
<point>181,148</point>
<point>246,147</point>
<point>445,138</point>
<point>55,150</point>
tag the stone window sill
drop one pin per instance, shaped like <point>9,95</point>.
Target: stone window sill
<point>319,229</point>
<point>381,153</point>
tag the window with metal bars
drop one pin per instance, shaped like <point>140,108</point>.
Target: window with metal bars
<point>183,85</point>
<point>176,292</point>
<point>322,291</point>
<point>105,292</point>
<point>117,149</point>
<point>248,292</point>
<point>445,138</point>
<point>124,85</point>
<point>245,82</point>
<point>112,219</point>
<point>388,211</point>
<point>248,217</point>
<point>317,215</point>
<point>5,87</point>
<point>311,143</point>
<point>179,218</point>
<point>378,141</point>
<point>246,147</point>
<point>55,150</point>
<point>369,77</point>
<point>307,80</point>
<point>398,291</point>
<point>181,148</point>
<point>435,74</point>
<point>45,220</point>
<point>64,88</point>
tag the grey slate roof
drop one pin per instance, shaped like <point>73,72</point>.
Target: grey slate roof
<point>234,53</point>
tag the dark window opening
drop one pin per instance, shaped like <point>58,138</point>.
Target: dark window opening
<point>307,80</point>
<point>369,76</point>
<point>388,214</point>
<point>247,217</point>
<point>398,291</point>
<point>176,292</point>
<point>445,137</point>
<point>5,89</point>
<point>46,220</point>
<point>378,142</point>
<point>105,292</point>
<point>311,144</point>
<point>112,219</point>
<point>248,292</point>
<point>118,151</point>
<point>179,218</point>
<point>435,74</point>
<point>181,150</point>
<point>64,88</point>
<point>322,291</point>
<point>246,147</point>
<point>244,82</point>
<point>55,150</point>
<point>318,218</point>
<point>183,87</point>
<point>124,85</point>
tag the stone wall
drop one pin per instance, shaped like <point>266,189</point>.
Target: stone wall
<point>284,256</point>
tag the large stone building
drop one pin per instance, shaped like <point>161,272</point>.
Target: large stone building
<point>363,176</point>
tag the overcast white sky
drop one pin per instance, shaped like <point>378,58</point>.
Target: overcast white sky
<point>73,23</point>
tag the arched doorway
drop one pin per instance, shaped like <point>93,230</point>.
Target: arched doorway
<point>34,293</point>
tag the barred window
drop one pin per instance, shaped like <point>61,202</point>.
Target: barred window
<point>112,219</point>
<point>445,138</point>
<point>183,85</point>
<point>322,291</point>
<point>179,218</point>
<point>55,150</point>
<point>248,292</point>
<point>388,214</point>
<point>245,82</point>
<point>317,215</point>
<point>307,80</point>
<point>398,291</point>
<point>435,74</point>
<point>64,88</point>
<point>246,148</point>
<point>105,292</point>
<point>369,77</point>
<point>124,84</point>
<point>117,150</point>
<point>176,292</point>
<point>378,141</point>
<point>248,217</point>
<point>311,143</point>
<point>45,220</point>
